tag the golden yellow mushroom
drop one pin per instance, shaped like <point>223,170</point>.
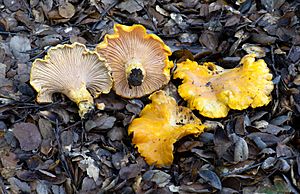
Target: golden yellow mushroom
<point>213,91</point>
<point>160,125</point>
<point>73,70</point>
<point>139,61</point>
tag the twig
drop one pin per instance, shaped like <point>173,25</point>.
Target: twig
<point>2,186</point>
<point>149,16</point>
<point>62,156</point>
<point>46,50</point>
<point>7,33</point>
<point>36,105</point>
<point>83,134</point>
<point>104,13</point>
<point>39,55</point>
<point>73,125</point>
<point>27,7</point>
<point>273,61</point>
<point>238,171</point>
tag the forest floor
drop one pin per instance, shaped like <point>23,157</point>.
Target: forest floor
<point>47,148</point>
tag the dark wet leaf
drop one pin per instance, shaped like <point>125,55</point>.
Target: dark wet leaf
<point>13,5</point>
<point>42,187</point>
<point>188,145</point>
<point>241,151</point>
<point>283,151</point>
<point>268,163</point>
<point>133,108</point>
<point>96,155</point>
<point>263,39</point>
<point>233,20</point>
<point>268,139</point>
<point>245,6</point>
<point>241,123</point>
<point>260,52</point>
<point>9,161</point>
<point>88,184</point>
<point>66,10</point>
<point>279,186</point>
<point>28,136</point>
<point>131,5</point>
<point>19,45</point>
<point>182,55</point>
<point>66,138</point>
<point>46,129</point>
<point>111,103</point>
<point>157,176</point>
<point>19,186</point>
<point>222,142</point>
<point>283,165</point>
<point>279,120</point>
<point>119,160</point>
<point>130,171</point>
<point>211,178</point>
<point>100,122</point>
<point>209,39</point>
<point>195,188</point>
<point>273,129</point>
<point>116,134</point>
<point>294,54</point>
<point>188,38</point>
<point>271,5</point>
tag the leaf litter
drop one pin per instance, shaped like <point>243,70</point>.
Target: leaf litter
<point>48,149</point>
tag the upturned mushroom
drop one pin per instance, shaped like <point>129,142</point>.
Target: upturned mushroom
<point>213,91</point>
<point>139,61</point>
<point>72,70</point>
<point>160,125</point>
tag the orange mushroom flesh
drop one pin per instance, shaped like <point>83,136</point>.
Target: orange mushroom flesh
<point>213,91</point>
<point>73,70</point>
<point>139,61</point>
<point>160,125</point>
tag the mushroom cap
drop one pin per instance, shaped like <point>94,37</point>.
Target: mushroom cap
<point>213,91</point>
<point>73,70</point>
<point>132,46</point>
<point>160,125</point>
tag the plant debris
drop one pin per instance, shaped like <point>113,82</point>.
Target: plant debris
<point>48,148</point>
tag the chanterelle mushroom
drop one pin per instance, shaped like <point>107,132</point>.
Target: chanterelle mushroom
<point>73,70</point>
<point>160,125</point>
<point>213,91</point>
<point>139,61</point>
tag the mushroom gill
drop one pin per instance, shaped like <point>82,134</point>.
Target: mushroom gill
<point>72,70</point>
<point>139,61</point>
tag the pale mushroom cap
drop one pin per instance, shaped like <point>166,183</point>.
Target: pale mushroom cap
<point>72,70</point>
<point>131,45</point>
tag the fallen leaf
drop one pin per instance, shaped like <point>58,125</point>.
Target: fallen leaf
<point>241,151</point>
<point>116,133</point>
<point>12,5</point>
<point>209,39</point>
<point>66,10</point>
<point>131,6</point>
<point>19,45</point>
<point>157,176</point>
<point>28,136</point>
<point>19,186</point>
<point>131,171</point>
<point>211,178</point>
<point>259,52</point>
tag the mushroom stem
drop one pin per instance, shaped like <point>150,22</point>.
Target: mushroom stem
<point>83,99</point>
<point>135,74</point>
